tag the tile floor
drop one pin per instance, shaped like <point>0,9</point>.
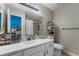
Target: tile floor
<point>65,54</point>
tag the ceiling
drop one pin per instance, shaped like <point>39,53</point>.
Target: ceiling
<point>51,6</point>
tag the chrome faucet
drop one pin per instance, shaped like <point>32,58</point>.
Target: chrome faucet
<point>30,37</point>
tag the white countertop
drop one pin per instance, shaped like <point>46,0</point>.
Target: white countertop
<point>22,45</point>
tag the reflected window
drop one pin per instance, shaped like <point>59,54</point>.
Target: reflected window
<point>15,22</point>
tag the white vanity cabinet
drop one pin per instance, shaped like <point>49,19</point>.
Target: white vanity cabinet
<point>30,48</point>
<point>41,50</point>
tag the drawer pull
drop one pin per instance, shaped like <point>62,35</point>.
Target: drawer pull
<point>44,53</point>
<point>47,51</point>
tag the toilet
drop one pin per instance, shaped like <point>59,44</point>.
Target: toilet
<point>58,49</point>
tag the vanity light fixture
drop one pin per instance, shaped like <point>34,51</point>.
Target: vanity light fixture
<point>30,6</point>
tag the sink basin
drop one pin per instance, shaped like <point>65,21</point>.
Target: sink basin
<point>32,41</point>
<point>36,40</point>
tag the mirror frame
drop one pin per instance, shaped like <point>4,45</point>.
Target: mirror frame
<point>2,27</point>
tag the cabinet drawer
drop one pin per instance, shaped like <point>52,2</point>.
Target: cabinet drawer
<point>40,53</point>
<point>33,50</point>
<point>17,54</point>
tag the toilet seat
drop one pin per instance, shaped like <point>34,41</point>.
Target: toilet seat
<point>58,46</point>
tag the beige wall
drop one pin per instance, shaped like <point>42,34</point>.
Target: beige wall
<point>44,11</point>
<point>67,16</point>
<point>48,15</point>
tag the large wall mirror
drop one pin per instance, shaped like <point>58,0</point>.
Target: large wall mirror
<point>14,26</point>
<point>15,22</point>
<point>1,21</point>
<point>33,24</point>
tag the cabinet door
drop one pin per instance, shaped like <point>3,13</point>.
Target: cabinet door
<point>49,51</point>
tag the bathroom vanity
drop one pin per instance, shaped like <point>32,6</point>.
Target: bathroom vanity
<point>37,47</point>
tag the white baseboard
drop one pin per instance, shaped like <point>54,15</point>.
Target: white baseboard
<point>70,53</point>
